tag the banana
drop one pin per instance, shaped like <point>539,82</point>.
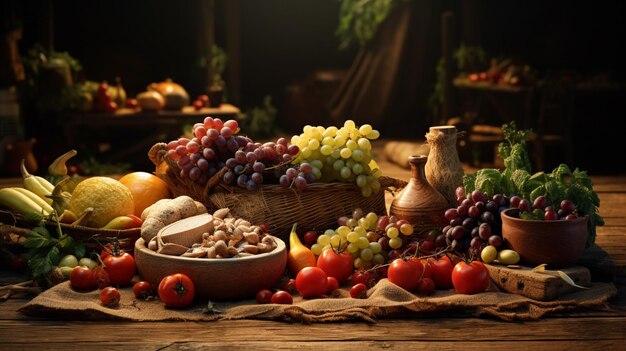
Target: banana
<point>19,202</point>
<point>39,201</point>
<point>37,185</point>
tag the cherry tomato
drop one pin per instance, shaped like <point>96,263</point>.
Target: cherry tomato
<point>441,271</point>
<point>143,290</point>
<point>338,265</point>
<point>198,105</point>
<point>470,278</point>
<point>426,287</point>
<point>282,297</point>
<point>264,296</point>
<point>82,278</point>
<point>110,297</point>
<point>131,103</point>
<point>290,286</point>
<point>120,266</point>
<point>102,277</point>
<point>362,276</point>
<point>111,106</point>
<point>204,98</point>
<point>176,290</point>
<point>405,273</point>
<point>312,282</point>
<point>333,285</point>
<point>358,291</point>
<point>309,238</point>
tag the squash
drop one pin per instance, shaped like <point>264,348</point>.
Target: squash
<point>175,96</point>
<point>150,101</point>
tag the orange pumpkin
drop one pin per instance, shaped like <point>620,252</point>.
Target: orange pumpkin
<point>146,189</point>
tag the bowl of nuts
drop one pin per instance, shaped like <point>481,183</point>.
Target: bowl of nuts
<point>227,258</point>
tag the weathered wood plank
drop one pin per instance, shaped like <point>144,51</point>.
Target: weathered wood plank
<point>427,329</point>
<point>269,345</point>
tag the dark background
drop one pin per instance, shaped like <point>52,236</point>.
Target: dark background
<point>283,43</point>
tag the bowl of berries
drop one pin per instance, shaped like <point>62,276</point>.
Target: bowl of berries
<point>550,235</point>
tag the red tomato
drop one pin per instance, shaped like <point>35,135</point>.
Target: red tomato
<point>470,278</point>
<point>110,297</point>
<point>143,290</point>
<point>427,269</point>
<point>358,291</point>
<point>83,278</point>
<point>441,271</point>
<point>405,274</point>
<point>290,286</point>
<point>102,277</point>
<point>131,103</point>
<point>426,287</point>
<point>121,268</point>
<point>309,238</point>
<point>282,297</point>
<point>333,285</point>
<point>176,290</point>
<point>311,282</point>
<point>338,265</point>
<point>363,276</point>
<point>264,296</point>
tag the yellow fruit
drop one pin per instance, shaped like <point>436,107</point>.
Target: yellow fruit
<point>146,189</point>
<point>108,197</point>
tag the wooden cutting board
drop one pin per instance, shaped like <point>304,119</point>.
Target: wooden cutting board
<point>537,286</point>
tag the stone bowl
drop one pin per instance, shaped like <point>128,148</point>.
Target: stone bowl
<point>225,279</point>
<point>557,243</point>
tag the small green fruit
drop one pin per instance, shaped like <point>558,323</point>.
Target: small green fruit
<point>489,254</point>
<point>508,257</point>
<point>68,261</point>
<point>85,261</point>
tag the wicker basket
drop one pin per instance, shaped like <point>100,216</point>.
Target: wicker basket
<point>316,207</point>
<point>92,237</point>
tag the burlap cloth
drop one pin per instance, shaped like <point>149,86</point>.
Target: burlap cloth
<point>385,300</point>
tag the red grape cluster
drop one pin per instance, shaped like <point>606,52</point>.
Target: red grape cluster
<point>475,222</point>
<point>216,145</point>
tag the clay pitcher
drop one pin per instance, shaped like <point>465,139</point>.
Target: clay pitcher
<point>419,203</point>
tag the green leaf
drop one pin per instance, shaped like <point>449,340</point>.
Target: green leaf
<point>561,172</point>
<point>540,177</point>
<point>53,256</point>
<point>469,182</point>
<point>488,181</point>
<point>42,231</point>
<point>80,250</point>
<point>519,177</point>
<point>36,240</point>
<point>540,190</point>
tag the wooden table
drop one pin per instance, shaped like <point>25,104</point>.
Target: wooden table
<point>585,330</point>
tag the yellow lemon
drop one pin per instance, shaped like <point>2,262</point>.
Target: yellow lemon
<point>108,197</point>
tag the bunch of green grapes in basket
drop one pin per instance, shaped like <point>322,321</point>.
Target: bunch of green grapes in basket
<point>340,154</point>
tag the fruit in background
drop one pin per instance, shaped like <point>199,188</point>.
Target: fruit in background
<point>108,197</point>
<point>150,101</point>
<point>124,222</point>
<point>132,103</point>
<point>204,98</point>
<point>299,255</point>
<point>103,98</point>
<point>175,95</point>
<point>198,105</point>
<point>146,189</point>
<point>119,95</point>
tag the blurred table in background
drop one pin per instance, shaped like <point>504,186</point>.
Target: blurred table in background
<point>127,133</point>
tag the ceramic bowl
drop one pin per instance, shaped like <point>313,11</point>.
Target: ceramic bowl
<point>216,279</point>
<point>557,243</point>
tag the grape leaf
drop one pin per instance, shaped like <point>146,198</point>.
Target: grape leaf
<point>488,180</point>
<point>36,240</point>
<point>469,182</point>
